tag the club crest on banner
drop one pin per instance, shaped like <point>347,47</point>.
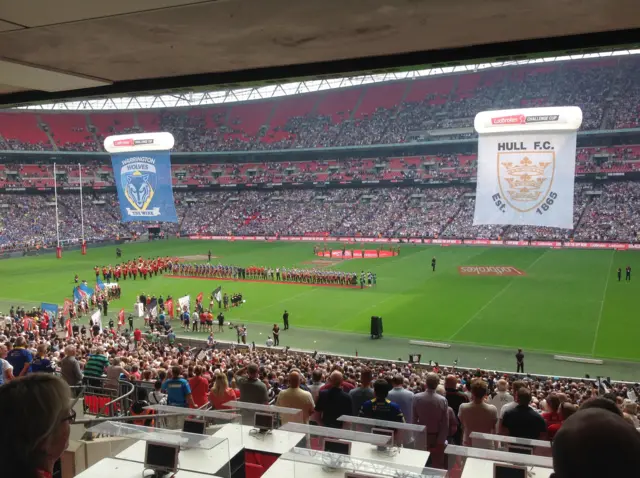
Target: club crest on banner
<point>142,173</point>
<point>526,167</point>
<point>139,180</point>
<point>525,178</point>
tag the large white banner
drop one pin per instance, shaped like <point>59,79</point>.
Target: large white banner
<point>526,166</point>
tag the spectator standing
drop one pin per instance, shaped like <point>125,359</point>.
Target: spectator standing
<point>285,320</point>
<point>114,372</point>
<point>70,368</point>
<point>380,407</point>
<point>566,410</point>
<point>221,393</point>
<point>333,402</point>
<point>402,396</point>
<point>432,411</point>
<point>520,361</point>
<point>95,367</point>
<point>157,397</point>
<point>316,384</point>
<point>455,398</point>
<point>276,334</point>
<point>252,389</point>
<point>453,420</point>
<point>362,393</point>
<point>523,421</point>
<point>178,395</point>
<point>502,396</point>
<point>6,369</point>
<point>594,443</point>
<point>515,386</point>
<point>20,358</point>
<point>478,416</point>
<point>41,363</point>
<point>295,397</point>
<point>199,387</point>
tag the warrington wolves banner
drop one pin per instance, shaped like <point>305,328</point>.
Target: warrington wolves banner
<point>144,186</point>
<point>142,172</point>
<point>526,166</point>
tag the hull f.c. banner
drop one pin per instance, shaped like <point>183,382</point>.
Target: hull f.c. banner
<point>143,181</point>
<point>526,166</point>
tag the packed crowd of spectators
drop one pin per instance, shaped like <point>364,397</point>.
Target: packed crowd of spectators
<point>605,212</point>
<point>605,90</point>
<point>220,375</point>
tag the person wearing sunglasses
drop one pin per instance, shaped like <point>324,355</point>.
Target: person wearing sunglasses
<point>36,420</point>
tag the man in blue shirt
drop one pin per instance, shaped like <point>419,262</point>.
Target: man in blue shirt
<point>178,395</point>
<point>20,358</point>
<point>41,363</point>
<point>379,407</point>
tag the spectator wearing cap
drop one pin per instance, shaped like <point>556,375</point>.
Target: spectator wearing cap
<point>432,411</point>
<point>333,402</point>
<point>523,421</point>
<point>478,416</point>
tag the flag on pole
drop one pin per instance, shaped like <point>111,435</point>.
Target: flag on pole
<point>169,306</point>
<point>153,307</point>
<point>52,312</point>
<point>99,284</point>
<point>68,303</point>
<point>96,319</point>
<point>184,302</point>
<point>69,328</point>
<point>217,294</point>
<point>199,298</point>
<point>121,317</point>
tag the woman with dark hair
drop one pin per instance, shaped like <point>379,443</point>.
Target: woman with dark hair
<point>36,418</point>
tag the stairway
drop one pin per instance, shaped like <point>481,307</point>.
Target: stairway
<point>92,129</point>
<point>363,91</point>
<point>51,140</point>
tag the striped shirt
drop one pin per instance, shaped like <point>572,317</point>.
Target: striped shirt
<point>96,365</point>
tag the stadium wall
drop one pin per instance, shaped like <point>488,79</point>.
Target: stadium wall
<point>441,242</point>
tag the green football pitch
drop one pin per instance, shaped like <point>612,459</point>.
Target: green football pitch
<point>567,302</point>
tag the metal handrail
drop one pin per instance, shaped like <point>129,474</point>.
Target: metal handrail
<point>120,382</point>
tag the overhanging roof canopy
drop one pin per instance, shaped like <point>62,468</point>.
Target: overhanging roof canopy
<point>58,49</point>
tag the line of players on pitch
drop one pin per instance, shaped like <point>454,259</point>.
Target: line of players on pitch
<point>133,268</point>
<point>306,276</point>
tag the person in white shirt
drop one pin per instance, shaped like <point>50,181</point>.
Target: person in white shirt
<point>478,416</point>
<point>502,397</point>
<point>515,386</point>
<point>269,342</point>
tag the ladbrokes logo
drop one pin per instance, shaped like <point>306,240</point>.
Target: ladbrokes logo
<point>490,271</point>
<point>123,142</point>
<point>522,119</point>
<point>507,120</point>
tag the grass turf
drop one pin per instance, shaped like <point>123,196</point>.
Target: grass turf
<point>569,301</point>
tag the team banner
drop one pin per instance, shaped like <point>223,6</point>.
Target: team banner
<point>184,302</point>
<point>142,173</point>
<point>526,166</point>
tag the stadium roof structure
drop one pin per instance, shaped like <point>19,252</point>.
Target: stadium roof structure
<point>53,50</point>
